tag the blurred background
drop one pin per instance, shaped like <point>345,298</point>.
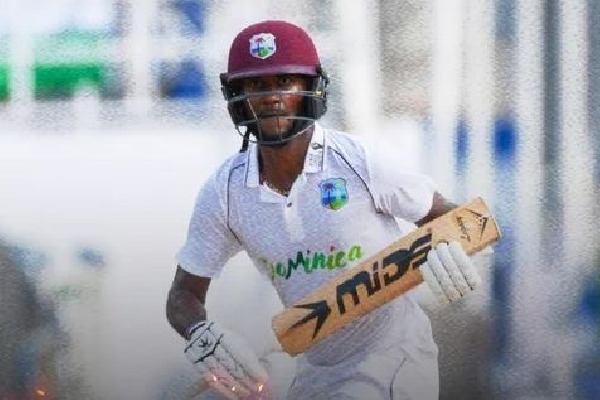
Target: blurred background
<point>111,117</point>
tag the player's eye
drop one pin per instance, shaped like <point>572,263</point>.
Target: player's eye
<point>251,84</point>
<point>286,81</point>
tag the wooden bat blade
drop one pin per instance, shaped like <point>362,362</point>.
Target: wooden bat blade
<point>380,278</point>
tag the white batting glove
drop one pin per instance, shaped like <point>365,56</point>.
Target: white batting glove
<point>449,272</point>
<point>225,361</point>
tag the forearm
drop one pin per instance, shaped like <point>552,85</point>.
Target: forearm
<point>440,206</point>
<point>183,310</point>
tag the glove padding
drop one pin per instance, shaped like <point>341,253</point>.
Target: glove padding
<point>449,272</point>
<point>225,361</point>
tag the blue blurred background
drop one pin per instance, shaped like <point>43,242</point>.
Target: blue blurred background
<point>111,117</point>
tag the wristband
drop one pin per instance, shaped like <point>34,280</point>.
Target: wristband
<point>192,328</point>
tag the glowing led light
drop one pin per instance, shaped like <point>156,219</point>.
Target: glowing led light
<point>40,392</point>
<point>260,388</point>
<point>233,388</point>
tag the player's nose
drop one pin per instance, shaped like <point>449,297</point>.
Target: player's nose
<point>272,101</point>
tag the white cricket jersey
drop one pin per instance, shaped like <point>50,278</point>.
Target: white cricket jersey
<point>341,210</point>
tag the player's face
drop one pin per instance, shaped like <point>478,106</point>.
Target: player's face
<point>271,109</point>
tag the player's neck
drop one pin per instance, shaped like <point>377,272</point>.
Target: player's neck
<point>280,165</point>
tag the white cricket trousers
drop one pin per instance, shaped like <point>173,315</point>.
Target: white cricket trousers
<point>391,373</point>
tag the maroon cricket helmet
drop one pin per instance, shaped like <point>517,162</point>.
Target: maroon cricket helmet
<point>270,48</point>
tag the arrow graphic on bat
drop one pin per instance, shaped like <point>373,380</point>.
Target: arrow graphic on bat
<point>320,311</point>
<point>483,218</point>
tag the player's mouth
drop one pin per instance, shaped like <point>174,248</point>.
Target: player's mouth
<point>273,114</point>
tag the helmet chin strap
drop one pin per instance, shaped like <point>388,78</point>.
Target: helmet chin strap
<point>289,135</point>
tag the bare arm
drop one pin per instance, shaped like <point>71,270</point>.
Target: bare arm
<point>185,302</point>
<point>440,206</point>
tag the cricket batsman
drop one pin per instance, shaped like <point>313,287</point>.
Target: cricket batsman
<point>305,203</point>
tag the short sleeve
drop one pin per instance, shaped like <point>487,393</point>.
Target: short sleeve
<point>396,188</point>
<point>209,243</point>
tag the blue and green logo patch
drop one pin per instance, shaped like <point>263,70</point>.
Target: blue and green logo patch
<point>334,193</point>
<point>262,45</point>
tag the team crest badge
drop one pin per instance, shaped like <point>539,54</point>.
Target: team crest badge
<point>262,45</point>
<point>334,193</point>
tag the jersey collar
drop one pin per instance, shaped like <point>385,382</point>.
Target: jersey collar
<point>313,163</point>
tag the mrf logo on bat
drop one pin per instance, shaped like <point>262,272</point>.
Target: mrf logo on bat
<point>392,268</point>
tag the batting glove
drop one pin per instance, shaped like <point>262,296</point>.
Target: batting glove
<point>449,272</point>
<point>225,361</point>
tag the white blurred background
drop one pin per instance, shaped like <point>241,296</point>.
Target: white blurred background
<point>111,118</point>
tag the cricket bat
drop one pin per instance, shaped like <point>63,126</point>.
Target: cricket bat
<point>380,278</point>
